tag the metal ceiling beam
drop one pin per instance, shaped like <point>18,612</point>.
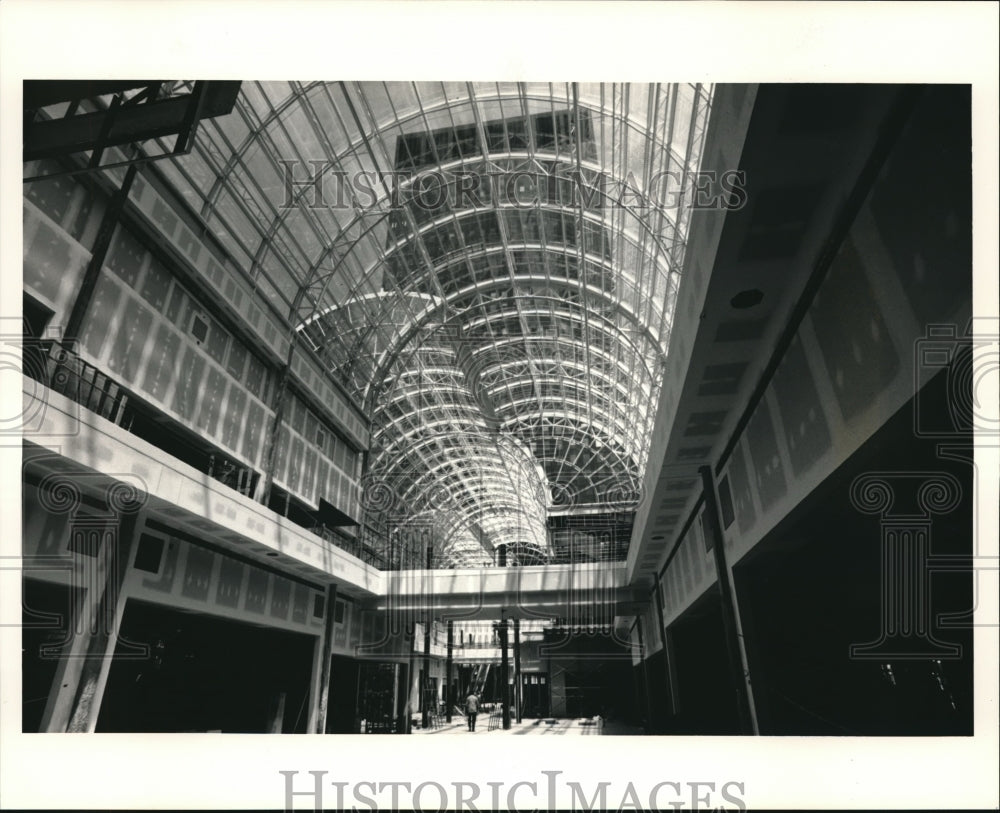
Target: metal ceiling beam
<point>125,124</point>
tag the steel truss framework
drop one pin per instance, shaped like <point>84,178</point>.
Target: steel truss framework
<point>489,268</point>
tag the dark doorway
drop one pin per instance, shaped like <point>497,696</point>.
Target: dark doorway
<point>706,694</point>
<point>47,621</point>
<point>659,692</point>
<point>596,673</point>
<point>382,688</point>
<point>535,694</point>
<point>342,703</point>
<point>206,673</point>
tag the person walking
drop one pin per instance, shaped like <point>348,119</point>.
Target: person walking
<point>471,710</point>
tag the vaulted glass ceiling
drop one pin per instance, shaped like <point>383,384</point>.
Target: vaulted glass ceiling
<point>489,268</point>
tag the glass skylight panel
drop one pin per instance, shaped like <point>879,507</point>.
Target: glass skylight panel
<point>479,322</point>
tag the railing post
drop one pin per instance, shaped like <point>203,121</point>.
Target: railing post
<point>517,668</point>
<point>730,622</point>
<point>326,656</point>
<point>643,676</point>
<point>407,704</point>
<point>448,699</point>
<point>504,670</point>
<point>425,719</point>
<point>667,654</point>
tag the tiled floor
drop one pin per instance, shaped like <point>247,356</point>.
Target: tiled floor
<point>549,726</point>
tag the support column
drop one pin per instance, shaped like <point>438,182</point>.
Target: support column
<point>517,669</point>
<point>395,698</point>
<point>425,700</point>
<point>322,695</point>
<point>667,654</point>
<point>276,716</point>
<point>644,677</point>
<point>425,691</point>
<point>449,699</point>
<point>758,665</point>
<point>504,673</point>
<point>738,667</point>
<point>99,253</point>
<point>675,698</point>
<point>87,659</point>
<point>118,646</point>
<point>270,460</point>
<point>408,704</point>
<point>636,688</point>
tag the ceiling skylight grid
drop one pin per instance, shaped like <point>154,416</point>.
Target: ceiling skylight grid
<point>482,335</point>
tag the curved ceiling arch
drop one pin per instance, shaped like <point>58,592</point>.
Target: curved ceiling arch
<point>563,308</point>
<point>392,356</point>
<point>372,220</point>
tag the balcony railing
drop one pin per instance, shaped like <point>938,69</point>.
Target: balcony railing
<point>353,545</point>
<point>64,372</point>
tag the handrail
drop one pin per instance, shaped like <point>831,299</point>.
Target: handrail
<point>66,373</point>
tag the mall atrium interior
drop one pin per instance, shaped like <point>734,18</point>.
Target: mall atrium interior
<point>639,408</point>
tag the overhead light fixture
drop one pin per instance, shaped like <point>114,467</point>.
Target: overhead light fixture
<point>747,299</point>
